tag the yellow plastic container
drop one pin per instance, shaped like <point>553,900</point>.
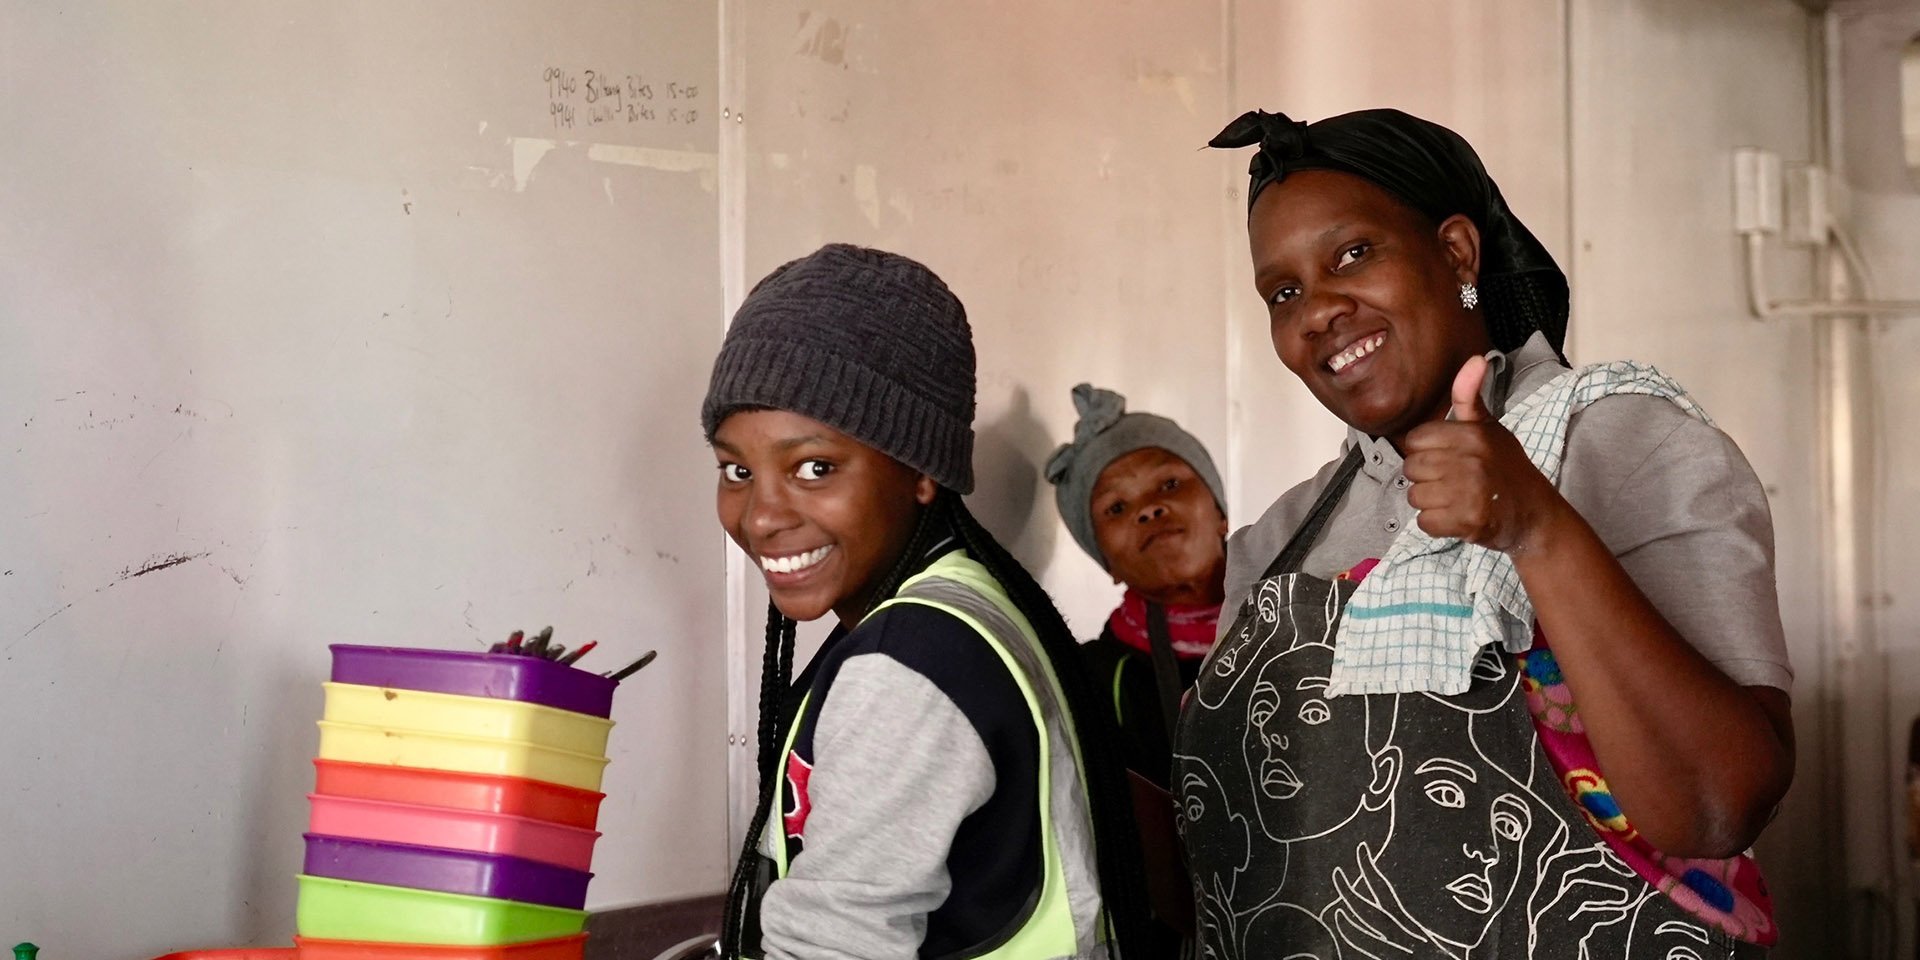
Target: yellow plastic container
<point>389,746</point>
<point>462,716</point>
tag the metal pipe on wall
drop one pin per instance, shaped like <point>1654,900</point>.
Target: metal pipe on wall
<point>1834,305</point>
<point>1858,694</point>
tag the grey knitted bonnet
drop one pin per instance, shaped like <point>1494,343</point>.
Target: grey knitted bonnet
<point>1106,432</point>
<point>870,343</point>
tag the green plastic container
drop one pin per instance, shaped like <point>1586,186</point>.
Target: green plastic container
<point>345,910</point>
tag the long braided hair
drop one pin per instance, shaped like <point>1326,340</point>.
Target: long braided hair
<point>1116,834</point>
<point>1110,798</point>
<point>776,674</point>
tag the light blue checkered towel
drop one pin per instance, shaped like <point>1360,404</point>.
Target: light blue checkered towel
<point>1422,615</point>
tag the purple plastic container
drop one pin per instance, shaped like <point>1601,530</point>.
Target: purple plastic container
<point>502,676</point>
<point>446,871</point>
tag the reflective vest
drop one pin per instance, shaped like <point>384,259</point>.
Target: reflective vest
<point>963,588</point>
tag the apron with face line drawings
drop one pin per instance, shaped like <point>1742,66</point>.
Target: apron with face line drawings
<point>1391,825</point>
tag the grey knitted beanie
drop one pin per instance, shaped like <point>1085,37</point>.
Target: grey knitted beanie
<point>870,343</point>
<point>1106,432</point>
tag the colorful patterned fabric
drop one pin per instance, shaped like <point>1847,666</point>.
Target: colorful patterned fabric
<point>1730,894</point>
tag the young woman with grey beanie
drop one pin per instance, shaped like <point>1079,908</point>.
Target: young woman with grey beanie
<point>946,785</point>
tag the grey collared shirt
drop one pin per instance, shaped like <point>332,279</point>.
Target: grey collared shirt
<point>1672,497</point>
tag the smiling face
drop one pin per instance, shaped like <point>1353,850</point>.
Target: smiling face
<point>824,516</point>
<point>1160,529</point>
<point>1363,297</point>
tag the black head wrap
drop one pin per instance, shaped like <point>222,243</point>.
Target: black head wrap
<point>1435,171</point>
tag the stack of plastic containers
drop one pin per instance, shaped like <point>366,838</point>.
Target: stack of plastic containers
<point>454,807</point>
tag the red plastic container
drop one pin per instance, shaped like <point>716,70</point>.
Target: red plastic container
<point>569,847</point>
<point>509,796</point>
<point>565,948</point>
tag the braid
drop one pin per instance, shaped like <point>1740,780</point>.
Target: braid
<point>1516,305</point>
<point>1116,833</point>
<point>930,525</point>
<point>776,674</point>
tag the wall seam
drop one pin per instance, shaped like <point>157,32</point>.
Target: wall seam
<point>1229,202</point>
<point>731,199</point>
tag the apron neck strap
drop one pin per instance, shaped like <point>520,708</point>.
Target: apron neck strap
<point>1295,552</point>
<point>1166,667</point>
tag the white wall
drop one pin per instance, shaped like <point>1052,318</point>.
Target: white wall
<point>291,292</point>
<point>1884,215</point>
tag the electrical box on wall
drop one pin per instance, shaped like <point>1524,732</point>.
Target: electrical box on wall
<point>1756,191</point>
<point>1807,209</point>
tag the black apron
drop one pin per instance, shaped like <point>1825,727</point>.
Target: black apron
<point>1391,825</point>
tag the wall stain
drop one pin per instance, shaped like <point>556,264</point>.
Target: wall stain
<point>155,565</point>
<point>152,565</point>
<point>49,617</point>
<point>828,43</point>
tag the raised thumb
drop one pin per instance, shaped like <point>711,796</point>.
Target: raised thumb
<point>1467,405</point>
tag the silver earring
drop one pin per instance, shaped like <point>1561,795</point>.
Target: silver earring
<point>1469,296</point>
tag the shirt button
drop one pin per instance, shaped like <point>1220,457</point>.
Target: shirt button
<point>1376,459</point>
<point>1399,483</point>
<point>1393,526</point>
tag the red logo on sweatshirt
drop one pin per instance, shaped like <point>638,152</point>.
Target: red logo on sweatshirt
<point>799,772</point>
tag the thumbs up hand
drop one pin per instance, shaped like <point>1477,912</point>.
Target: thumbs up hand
<point>1471,478</point>
<point>1467,405</point>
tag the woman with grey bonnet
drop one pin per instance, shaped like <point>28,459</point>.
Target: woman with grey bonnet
<point>1551,589</point>
<point>1142,497</point>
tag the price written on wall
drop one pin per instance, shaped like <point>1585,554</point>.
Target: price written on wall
<point>592,98</point>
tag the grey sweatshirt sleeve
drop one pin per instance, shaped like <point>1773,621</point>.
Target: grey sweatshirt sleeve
<point>897,767</point>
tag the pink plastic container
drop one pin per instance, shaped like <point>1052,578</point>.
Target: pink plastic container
<point>563,846</point>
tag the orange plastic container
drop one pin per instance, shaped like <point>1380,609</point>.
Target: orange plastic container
<point>564,948</point>
<point>510,796</point>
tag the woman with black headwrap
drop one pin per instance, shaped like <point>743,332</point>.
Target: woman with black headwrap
<point>1507,677</point>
